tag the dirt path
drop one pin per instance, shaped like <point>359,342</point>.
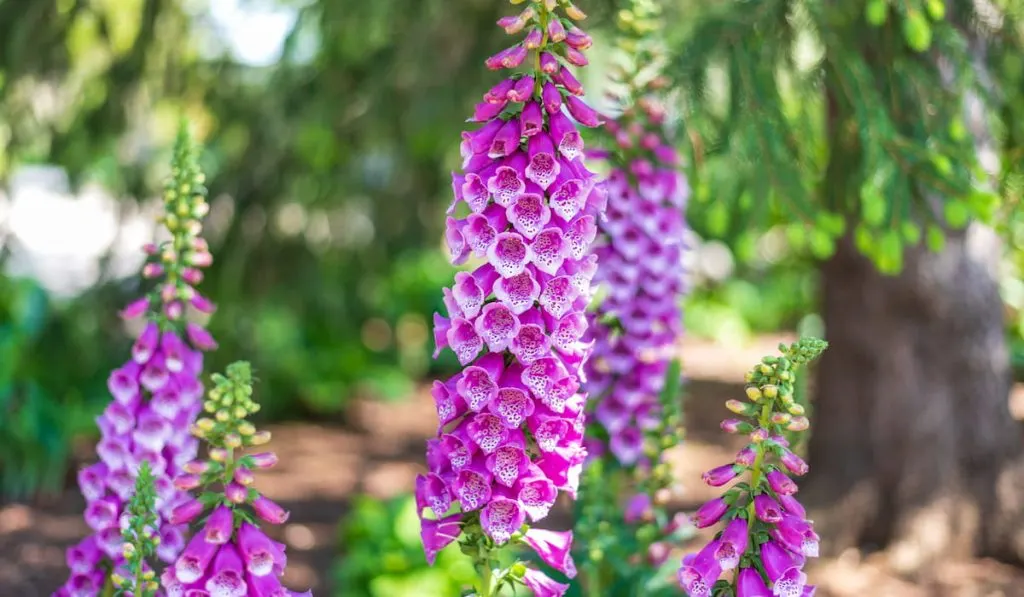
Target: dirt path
<point>380,452</point>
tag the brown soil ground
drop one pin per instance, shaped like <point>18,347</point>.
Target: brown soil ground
<point>380,451</point>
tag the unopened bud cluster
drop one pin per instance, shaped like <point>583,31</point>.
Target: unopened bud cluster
<point>229,554</point>
<point>766,538</point>
<point>140,524</point>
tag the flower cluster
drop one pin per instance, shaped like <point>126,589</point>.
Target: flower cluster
<point>229,555</point>
<point>638,324</point>
<point>766,538</point>
<point>634,376</point>
<point>511,423</point>
<point>156,394</point>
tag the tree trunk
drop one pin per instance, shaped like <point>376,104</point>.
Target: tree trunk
<point>913,447</point>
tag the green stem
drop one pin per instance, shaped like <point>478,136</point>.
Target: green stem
<point>486,579</point>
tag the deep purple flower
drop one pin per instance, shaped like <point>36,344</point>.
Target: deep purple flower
<point>700,572</point>
<point>750,584</point>
<point>780,483</point>
<point>721,475</point>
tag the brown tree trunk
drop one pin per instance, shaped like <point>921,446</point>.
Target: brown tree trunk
<point>913,447</point>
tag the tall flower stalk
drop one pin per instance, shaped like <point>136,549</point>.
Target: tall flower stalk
<point>766,537</point>
<point>526,208</point>
<point>634,374</point>
<point>156,394</point>
<point>135,578</point>
<point>228,555</point>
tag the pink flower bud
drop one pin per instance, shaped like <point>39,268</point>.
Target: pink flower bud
<point>196,467</point>
<point>269,511</point>
<point>192,275</point>
<point>135,308</point>
<point>710,513</point>
<point>186,482</point>
<point>264,460</point>
<point>236,494</point>
<point>746,457</point>
<point>556,31</point>
<point>533,39</point>
<point>548,63</point>
<point>244,476</point>
<point>793,463</point>
<point>202,304</point>
<point>150,249</point>
<point>152,270</point>
<point>721,475</point>
<point>780,483</point>
<point>186,513</point>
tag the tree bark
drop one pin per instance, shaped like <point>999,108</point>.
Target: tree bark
<point>913,447</point>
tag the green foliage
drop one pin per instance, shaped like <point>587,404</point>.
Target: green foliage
<point>382,555</point>
<point>37,427</point>
<point>829,114</point>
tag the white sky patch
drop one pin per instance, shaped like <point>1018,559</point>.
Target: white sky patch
<point>254,34</point>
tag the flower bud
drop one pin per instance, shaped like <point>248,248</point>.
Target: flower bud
<point>574,13</point>
<point>799,424</point>
<point>236,493</point>
<point>259,438</point>
<point>753,393</point>
<point>781,418</point>
<point>233,440</point>
<point>721,475</point>
<point>770,391</point>
<point>218,454</point>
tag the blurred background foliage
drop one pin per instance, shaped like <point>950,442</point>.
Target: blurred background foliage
<point>328,168</point>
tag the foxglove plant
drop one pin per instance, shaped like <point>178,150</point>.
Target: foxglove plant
<point>135,578</point>
<point>228,555</point>
<point>156,394</point>
<point>633,376</point>
<point>766,537</point>
<point>511,422</point>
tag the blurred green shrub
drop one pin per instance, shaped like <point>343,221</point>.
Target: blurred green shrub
<point>38,417</point>
<point>382,555</point>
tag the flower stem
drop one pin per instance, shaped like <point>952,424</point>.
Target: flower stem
<point>485,579</point>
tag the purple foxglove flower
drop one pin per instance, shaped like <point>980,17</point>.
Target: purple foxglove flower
<point>495,95</point>
<point>219,526</point>
<point>486,111</point>
<point>199,337</point>
<point>575,57</point>
<point>746,456</point>
<point>552,98</point>
<point>710,513</point>
<point>783,571</point>
<point>793,463</point>
<point>533,39</point>
<point>522,91</point>
<point>528,213</point>
<point>186,512</point>
<point>780,483</point>
<point>438,534</point>
<point>531,120</point>
<point>578,39</point>
<point>555,548</point>
<point>226,575</point>
<point>750,584</point>
<point>195,560</point>
<point>638,508</point>
<point>432,492</point>
<point>510,424</point>
<point>583,113</point>
<point>732,544</point>
<point>566,136</point>
<point>548,63</point>
<point>500,518</point>
<point>146,344</point>
<point>700,572</point>
<point>721,475</point>
<point>799,533</point>
<point>792,506</point>
<point>767,509</point>
<point>568,81</point>
<point>536,496</point>
<point>543,585</point>
<point>269,511</point>
<point>135,309</point>
<point>236,493</point>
